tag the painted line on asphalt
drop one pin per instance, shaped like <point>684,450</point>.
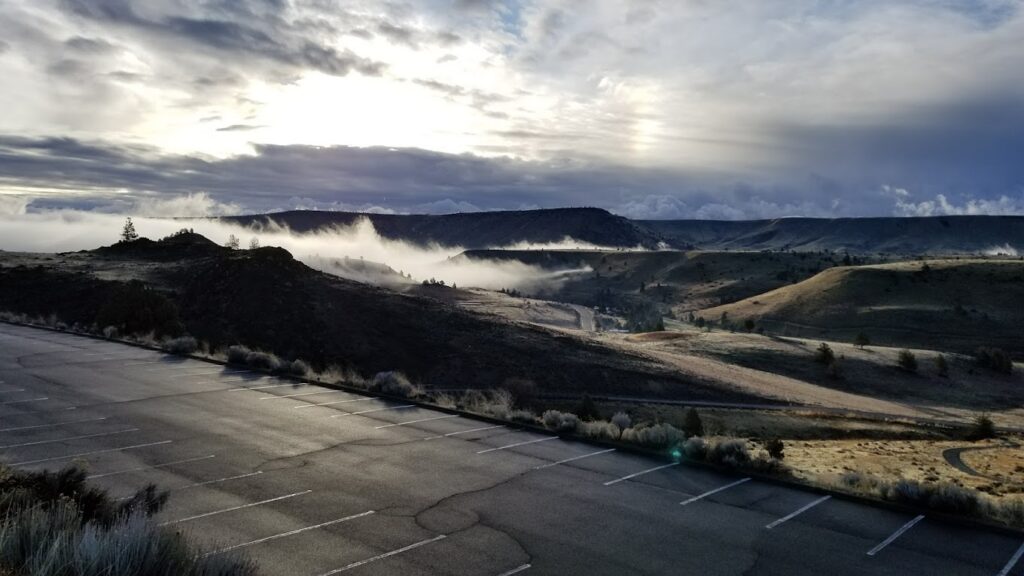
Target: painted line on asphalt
<point>335,402</point>
<point>37,426</point>
<point>573,459</point>
<point>1013,562</point>
<point>517,570</point>
<point>715,491</point>
<point>798,512</point>
<point>895,535</point>
<point>233,508</point>
<point>11,391</point>
<point>295,384</point>
<point>465,432</point>
<point>69,438</point>
<point>43,411</point>
<point>416,421</point>
<point>385,555</point>
<point>517,444</point>
<point>371,411</point>
<point>24,401</point>
<point>70,456</point>
<point>300,394</point>
<point>218,481</point>
<point>140,468</point>
<point>640,473</point>
<point>291,533</point>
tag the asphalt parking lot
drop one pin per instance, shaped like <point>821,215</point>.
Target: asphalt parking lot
<point>313,481</point>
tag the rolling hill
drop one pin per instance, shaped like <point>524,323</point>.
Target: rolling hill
<point>950,304</point>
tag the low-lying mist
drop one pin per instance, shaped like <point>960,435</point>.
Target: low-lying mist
<point>357,252</point>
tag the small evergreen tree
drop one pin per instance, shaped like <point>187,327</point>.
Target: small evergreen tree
<point>128,233</point>
<point>692,424</point>
<point>825,355</point>
<point>861,340</point>
<point>749,325</point>
<point>775,448</point>
<point>941,366</point>
<point>907,361</point>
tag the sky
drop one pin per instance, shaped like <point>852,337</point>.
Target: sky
<point>715,109</point>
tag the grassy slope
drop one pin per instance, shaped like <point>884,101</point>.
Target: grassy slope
<point>265,299</point>
<point>954,305</point>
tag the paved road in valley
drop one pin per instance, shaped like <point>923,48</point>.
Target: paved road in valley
<point>311,481</point>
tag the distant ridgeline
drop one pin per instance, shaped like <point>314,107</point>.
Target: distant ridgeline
<point>931,235</point>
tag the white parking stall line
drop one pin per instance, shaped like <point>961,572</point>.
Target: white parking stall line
<point>40,399</point>
<point>385,555</point>
<point>67,439</point>
<point>517,570</point>
<point>336,402</point>
<point>715,491</point>
<point>1013,562</point>
<point>218,480</point>
<point>506,447</point>
<point>450,434</point>
<point>233,508</point>
<point>300,394</point>
<point>54,425</point>
<point>372,410</point>
<point>640,473</point>
<point>416,421</point>
<point>291,533</point>
<point>10,391</point>
<point>895,535</point>
<point>797,512</point>
<point>241,388</point>
<point>80,454</point>
<point>154,466</point>
<point>573,459</point>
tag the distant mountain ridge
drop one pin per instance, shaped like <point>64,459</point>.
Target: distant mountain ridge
<point>479,230</point>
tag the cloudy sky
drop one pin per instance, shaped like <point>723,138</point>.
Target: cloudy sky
<point>652,109</point>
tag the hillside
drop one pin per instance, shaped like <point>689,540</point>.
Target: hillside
<point>943,304</point>
<point>931,235</point>
<point>266,299</point>
<point>674,281</point>
<point>474,230</point>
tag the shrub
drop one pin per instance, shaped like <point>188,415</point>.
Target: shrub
<point>136,309</point>
<point>943,496</point>
<point>824,355</point>
<point>775,448</point>
<point>110,332</point>
<point>942,366</point>
<point>622,421</point>
<point>560,421</point>
<point>524,416</point>
<point>497,403</point>
<point>657,436</point>
<point>181,345</point>
<point>981,428</point>
<point>586,409</point>
<point>728,451</point>
<point>695,448</point>
<point>907,361</point>
<point>600,430</point>
<point>394,383</point>
<point>692,424</point>
<point>263,361</point>
<point>834,370</point>
<point>994,359</point>
<point>298,368</point>
<point>238,354</point>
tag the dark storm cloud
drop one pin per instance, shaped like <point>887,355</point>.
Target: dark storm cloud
<point>267,36</point>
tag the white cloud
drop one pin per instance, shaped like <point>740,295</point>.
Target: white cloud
<point>187,205</point>
<point>940,205</point>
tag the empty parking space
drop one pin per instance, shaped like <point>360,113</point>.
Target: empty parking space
<point>312,480</point>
